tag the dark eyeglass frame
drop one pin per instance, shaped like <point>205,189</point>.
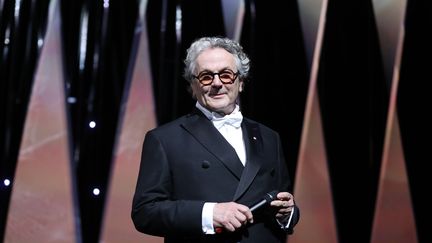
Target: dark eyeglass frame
<point>223,80</point>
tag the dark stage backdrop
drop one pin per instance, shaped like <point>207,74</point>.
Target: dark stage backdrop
<point>345,83</point>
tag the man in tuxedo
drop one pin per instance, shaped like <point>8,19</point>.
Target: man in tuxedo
<point>201,174</point>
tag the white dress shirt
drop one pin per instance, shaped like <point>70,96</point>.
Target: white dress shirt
<point>230,128</point>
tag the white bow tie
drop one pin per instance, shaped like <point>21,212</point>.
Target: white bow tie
<point>234,120</point>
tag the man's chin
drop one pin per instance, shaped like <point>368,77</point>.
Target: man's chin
<point>222,109</point>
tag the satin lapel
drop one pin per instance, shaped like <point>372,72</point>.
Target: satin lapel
<point>253,143</point>
<point>204,131</point>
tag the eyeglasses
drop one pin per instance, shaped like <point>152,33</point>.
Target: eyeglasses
<point>225,76</point>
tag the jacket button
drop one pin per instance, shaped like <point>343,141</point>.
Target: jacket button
<point>205,164</point>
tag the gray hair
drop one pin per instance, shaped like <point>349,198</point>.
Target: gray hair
<point>204,43</point>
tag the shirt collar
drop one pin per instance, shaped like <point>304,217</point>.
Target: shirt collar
<point>234,119</point>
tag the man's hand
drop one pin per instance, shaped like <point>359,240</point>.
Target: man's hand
<point>284,203</point>
<point>231,216</point>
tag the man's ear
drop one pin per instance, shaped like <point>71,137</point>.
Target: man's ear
<point>241,86</point>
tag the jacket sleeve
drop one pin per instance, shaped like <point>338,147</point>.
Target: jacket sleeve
<point>154,210</point>
<point>285,185</point>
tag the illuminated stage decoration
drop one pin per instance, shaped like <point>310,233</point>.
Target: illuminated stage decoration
<point>41,207</point>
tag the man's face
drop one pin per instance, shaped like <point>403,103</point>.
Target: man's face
<point>217,96</point>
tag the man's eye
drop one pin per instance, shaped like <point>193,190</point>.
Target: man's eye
<point>225,75</point>
<point>206,77</point>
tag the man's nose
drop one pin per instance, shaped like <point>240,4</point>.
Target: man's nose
<point>216,80</point>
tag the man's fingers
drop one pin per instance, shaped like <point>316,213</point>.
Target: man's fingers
<point>231,215</point>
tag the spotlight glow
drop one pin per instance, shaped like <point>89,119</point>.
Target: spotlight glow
<point>96,191</point>
<point>71,100</point>
<point>40,42</point>
<point>92,124</point>
<point>6,182</point>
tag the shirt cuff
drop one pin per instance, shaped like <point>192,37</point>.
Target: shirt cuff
<point>207,219</point>
<point>285,222</point>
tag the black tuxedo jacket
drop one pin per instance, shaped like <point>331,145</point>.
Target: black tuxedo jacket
<point>187,162</point>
